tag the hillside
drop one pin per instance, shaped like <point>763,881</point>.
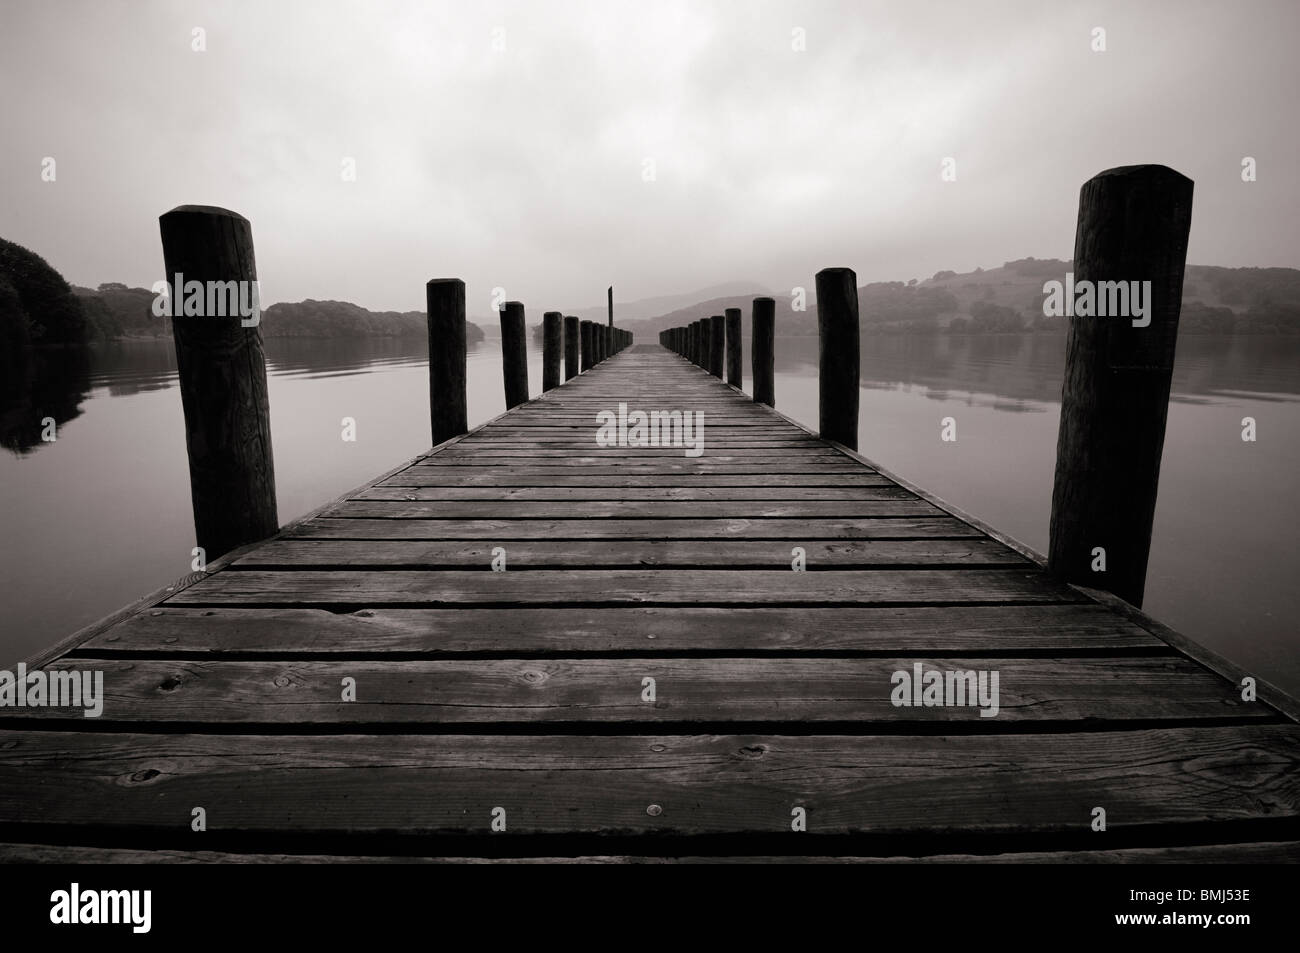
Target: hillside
<point>38,307</point>
<point>1010,299</point>
<point>119,311</point>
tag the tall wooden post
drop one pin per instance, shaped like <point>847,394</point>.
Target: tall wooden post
<point>588,352</point>
<point>552,346</point>
<point>735,373</point>
<point>762,349</point>
<point>1132,229</point>
<point>514,354</point>
<point>447,409</point>
<point>572,347</point>
<point>610,296</point>
<point>222,376</point>
<point>717,344</point>
<point>837,384</point>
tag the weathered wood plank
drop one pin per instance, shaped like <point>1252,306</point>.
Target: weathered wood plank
<point>647,494</point>
<point>815,455</point>
<point>420,785</point>
<point>631,509</point>
<point>1267,852</point>
<point>618,586</point>
<point>628,554</point>
<point>548,419</point>
<point>812,630</point>
<point>623,476</point>
<point>543,692</point>
<point>586,441</point>
<point>325,528</point>
<point>664,462</point>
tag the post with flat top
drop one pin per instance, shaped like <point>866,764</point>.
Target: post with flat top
<point>447,408</point>
<point>763,351</point>
<point>552,346</point>
<point>588,354</point>
<point>222,375</point>
<point>514,354</point>
<point>717,344</point>
<point>837,381</point>
<point>735,373</point>
<point>571,347</point>
<point>1130,248</point>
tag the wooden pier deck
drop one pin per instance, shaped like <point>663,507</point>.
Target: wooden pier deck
<point>519,699</point>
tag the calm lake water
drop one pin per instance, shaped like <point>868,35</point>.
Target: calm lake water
<point>102,515</point>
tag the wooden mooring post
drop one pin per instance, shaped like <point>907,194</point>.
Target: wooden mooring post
<point>762,349</point>
<point>572,348</point>
<point>448,415</point>
<point>1132,228</point>
<point>221,368</point>
<point>735,372</point>
<point>717,344</point>
<point>552,349</point>
<point>588,347</point>
<point>514,354</point>
<point>837,380</point>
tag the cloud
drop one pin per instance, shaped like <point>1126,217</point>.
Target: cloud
<point>506,143</point>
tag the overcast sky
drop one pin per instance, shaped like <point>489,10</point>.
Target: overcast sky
<point>525,167</point>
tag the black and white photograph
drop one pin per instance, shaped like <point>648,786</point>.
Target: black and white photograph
<point>673,433</point>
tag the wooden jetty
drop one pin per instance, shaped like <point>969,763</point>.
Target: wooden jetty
<point>522,695</point>
<point>534,642</point>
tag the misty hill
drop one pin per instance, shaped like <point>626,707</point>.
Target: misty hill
<point>643,308</point>
<point>632,314</point>
<point>342,319</point>
<point>118,311</point>
<point>1010,299</point>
